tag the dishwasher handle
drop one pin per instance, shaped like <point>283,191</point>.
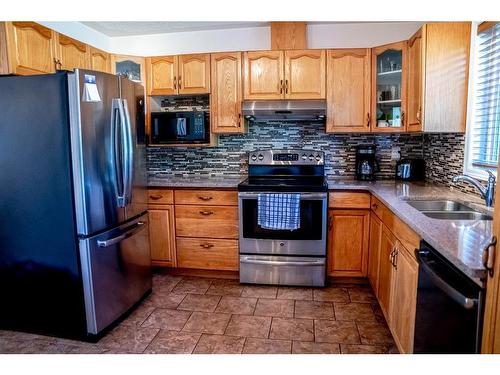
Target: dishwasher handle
<point>466,302</point>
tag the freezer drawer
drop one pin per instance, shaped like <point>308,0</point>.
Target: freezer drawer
<point>116,271</point>
<point>282,270</point>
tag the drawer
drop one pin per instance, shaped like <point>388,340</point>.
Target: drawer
<point>161,196</point>
<point>349,199</point>
<point>206,221</point>
<point>207,254</point>
<point>206,197</point>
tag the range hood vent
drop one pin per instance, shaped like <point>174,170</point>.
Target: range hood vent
<point>285,110</point>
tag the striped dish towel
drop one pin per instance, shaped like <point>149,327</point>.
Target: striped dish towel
<point>278,211</point>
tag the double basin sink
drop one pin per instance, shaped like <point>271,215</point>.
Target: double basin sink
<point>448,210</point>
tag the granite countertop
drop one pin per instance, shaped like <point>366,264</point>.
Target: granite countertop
<point>461,242</point>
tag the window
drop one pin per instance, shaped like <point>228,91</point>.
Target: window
<point>483,135</point>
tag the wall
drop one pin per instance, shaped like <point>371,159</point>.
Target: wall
<point>443,153</point>
<point>230,157</point>
<point>320,35</point>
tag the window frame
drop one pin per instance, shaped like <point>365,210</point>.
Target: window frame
<point>469,168</point>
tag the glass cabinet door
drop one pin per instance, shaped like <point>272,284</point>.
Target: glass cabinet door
<point>389,88</point>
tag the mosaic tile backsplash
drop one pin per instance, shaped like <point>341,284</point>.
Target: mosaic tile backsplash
<point>444,153</point>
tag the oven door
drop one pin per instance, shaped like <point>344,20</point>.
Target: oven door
<point>308,240</point>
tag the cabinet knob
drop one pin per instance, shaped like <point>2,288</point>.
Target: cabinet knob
<point>207,245</point>
<point>374,206</point>
<point>206,213</point>
<point>175,83</point>
<point>281,86</point>
<point>286,86</point>
<point>179,81</point>
<point>368,119</point>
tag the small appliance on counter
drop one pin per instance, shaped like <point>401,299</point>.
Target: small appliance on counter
<point>366,162</point>
<point>410,170</point>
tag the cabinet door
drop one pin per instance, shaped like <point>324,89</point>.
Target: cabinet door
<point>404,299</point>
<point>161,75</point>
<point>348,242</point>
<point>30,48</point>
<point>194,74</point>
<point>162,236</point>
<point>374,251</point>
<point>71,53</point>
<point>305,74</point>
<point>385,273</point>
<point>348,90</point>
<point>100,60</point>
<point>263,75</point>
<point>225,101</point>
<point>416,54</point>
<point>389,76</point>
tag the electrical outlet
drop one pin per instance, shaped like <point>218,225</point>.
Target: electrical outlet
<point>395,153</point>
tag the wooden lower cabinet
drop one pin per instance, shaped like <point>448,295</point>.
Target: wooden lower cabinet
<point>374,251</point>
<point>162,235</point>
<point>348,242</point>
<point>404,299</point>
<point>387,246</point>
<point>207,254</point>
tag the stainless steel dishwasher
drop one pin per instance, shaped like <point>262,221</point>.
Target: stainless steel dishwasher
<point>449,307</point>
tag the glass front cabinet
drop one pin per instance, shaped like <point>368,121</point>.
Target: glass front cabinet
<point>389,75</point>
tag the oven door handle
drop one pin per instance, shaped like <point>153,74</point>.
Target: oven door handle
<point>303,196</point>
<point>249,260</point>
<point>466,302</point>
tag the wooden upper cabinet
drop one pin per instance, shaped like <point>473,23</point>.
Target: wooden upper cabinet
<point>263,75</point>
<point>161,75</point>
<point>30,48</point>
<point>447,48</point>
<point>194,74</point>
<point>416,81</point>
<point>100,60</point>
<point>305,74</point>
<point>225,101</point>
<point>389,85</point>
<point>71,53</point>
<point>348,90</point>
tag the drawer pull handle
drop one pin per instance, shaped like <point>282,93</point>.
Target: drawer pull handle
<point>375,206</point>
<point>155,197</point>
<point>207,245</point>
<point>205,198</point>
<point>206,213</point>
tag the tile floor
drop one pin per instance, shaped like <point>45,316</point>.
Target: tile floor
<point>201,315</point>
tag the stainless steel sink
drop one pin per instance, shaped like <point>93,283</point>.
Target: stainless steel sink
<point>457,215</point>
<point>448,210</point>
<point>441,205</point>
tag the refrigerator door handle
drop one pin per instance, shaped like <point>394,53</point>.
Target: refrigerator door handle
<point>128,233</point>
<point>129,152</point>
<point>117,119</point>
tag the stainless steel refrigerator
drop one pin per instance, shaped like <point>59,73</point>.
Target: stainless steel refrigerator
<point>74,242</point>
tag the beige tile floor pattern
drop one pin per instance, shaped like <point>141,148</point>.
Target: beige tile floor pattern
<point>202,315</point>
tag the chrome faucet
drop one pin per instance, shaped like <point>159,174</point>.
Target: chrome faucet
<point>488,192</point>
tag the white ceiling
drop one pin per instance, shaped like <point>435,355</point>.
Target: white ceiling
<point>116,29</point>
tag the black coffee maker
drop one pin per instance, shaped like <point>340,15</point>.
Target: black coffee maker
<point>366,163</point>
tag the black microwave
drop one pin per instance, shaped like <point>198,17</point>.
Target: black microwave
<point>180,127</point>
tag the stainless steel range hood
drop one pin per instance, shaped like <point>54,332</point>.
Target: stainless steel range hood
<point>285,110</point>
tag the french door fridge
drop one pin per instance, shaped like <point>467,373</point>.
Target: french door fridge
<point>74,246</point>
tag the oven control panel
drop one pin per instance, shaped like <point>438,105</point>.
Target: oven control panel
<point>289,157</point>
